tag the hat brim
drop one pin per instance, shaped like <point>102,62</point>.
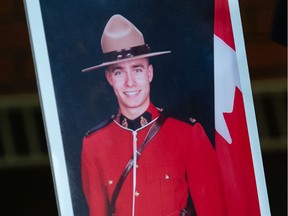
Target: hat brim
<point>126,59</point>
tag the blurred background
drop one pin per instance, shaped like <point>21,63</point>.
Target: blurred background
<point>26,183</point>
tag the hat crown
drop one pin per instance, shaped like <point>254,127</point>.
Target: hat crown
<point>119,33</point>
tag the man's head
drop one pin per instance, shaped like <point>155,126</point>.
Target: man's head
<point>130,81</point>
<point>128,69</point>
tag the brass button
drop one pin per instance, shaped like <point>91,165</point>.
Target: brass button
<point>167,177</point>
<point>110,182</point>
<point>137,194</point>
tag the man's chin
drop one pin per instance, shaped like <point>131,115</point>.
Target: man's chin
<point>134,107</point>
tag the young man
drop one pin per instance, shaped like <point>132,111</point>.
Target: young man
<point>178,161</point>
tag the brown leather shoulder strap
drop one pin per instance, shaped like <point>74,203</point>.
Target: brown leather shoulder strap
<point>152,132</point>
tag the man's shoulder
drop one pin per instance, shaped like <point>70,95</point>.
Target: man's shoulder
<point>99,126</point>
<point>184,126</point>
<point>189,121</point>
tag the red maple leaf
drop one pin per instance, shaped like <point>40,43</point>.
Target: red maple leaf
<point>236,163</point>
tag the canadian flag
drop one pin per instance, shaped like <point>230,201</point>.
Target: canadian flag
<point>232,141</point>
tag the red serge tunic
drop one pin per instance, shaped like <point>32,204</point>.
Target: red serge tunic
<point>178,160</point>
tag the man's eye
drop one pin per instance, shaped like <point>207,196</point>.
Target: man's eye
<point>138,70</point>
<point>117,73</point>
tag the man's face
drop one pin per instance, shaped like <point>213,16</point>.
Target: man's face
<point>131,83</point>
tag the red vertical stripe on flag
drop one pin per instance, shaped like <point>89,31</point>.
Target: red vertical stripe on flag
<point>232,148</point>
<point>222,22</point>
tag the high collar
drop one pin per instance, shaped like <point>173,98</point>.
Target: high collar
<point>149,115</point>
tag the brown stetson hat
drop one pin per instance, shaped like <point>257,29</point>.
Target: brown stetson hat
<point>122,41</point>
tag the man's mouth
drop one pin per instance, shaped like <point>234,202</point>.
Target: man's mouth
<point>132,93</point>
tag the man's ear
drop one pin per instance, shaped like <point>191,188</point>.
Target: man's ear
<point>150,72</point>
<point>108,76</point>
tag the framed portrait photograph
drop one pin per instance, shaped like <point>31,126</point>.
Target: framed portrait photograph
<point>147,107</point>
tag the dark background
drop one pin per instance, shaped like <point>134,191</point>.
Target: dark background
<point>27,188</point>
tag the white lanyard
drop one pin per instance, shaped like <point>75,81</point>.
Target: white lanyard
<point>134,170</point>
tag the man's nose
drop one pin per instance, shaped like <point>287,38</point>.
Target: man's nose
<point>130,80</point>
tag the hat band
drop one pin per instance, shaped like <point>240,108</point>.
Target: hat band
<point>126,53</point>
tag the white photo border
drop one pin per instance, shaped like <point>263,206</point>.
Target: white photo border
<point>49,108</point>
